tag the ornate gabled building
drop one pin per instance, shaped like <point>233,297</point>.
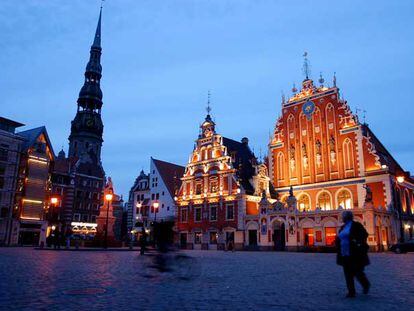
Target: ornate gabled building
<point>222,182</point>
<point>33,190</point>
<point>78,179</point>
<point>330,161</point>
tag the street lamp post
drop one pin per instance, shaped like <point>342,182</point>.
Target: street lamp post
<point>108,198</point>
<point>56,238</point>
<point>156,205</point>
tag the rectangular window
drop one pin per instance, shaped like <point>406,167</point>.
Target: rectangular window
<point>152,196</point>
<point>85,217</point>
<point>198,188</point>
<point>229,212</point>
<point>76,217</point>
<point>197,238</point>
<point>213,212</point>
<point>184,215</point>
<point>2,169</point>
<point>197,214</point>
<point>213,237</point>
<point>1,182</point>
<point>213,186</point>
<point>3,154</point>
<point>157,196</point>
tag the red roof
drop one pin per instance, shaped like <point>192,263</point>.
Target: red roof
<point>171,174</point>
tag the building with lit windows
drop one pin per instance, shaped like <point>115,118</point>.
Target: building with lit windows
<point>152,196</point>
<point>323,160</point>
<point>79,178</point>
<point>223,181</point>
<point>33,188</point>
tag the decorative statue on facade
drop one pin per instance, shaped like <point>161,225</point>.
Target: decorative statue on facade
<point>305,157</point>
<point>318,146</point>
<point>332,149</point>
<point>292,158</point>
<point>292,225</point>
<point>368,196</point>
<point>291,201</point>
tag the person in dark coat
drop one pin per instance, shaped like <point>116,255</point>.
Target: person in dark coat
<point>352,253</point>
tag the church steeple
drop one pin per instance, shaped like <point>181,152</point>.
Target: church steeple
<point>87,127</point>
<point>90,95</point>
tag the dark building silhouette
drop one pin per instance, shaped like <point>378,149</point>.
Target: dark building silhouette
<point>78,179</point>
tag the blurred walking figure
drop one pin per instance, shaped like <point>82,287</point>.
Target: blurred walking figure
<point>143,241</point>
<point>163,236</point>
<point>352,253</point>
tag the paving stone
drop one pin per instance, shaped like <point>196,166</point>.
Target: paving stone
<point>58,280</point>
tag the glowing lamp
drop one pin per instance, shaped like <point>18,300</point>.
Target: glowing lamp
<point>53,227</point>
<point>156,205</point>
<point>238,190</point>
<point>407,227</point>
<point>54,200</point>
<point>400,179</point>
<point>139,205</point>
<point>384,166</point>
<point>108,197</point>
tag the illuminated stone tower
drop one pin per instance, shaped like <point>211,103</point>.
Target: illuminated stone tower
<point>87,128</point>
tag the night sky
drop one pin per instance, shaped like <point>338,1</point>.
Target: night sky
<point>160,58</point>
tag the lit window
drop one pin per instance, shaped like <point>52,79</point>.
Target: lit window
<point>304,203</point>
<point>344,199</point>
<point>324,201</point>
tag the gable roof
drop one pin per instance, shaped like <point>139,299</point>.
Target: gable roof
<point>170,174</point>
<point>244,159</point>
<point>31,136</point>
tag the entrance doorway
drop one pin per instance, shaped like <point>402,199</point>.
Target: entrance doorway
<point>308,238</point>
<point>279,239</point>
<point>252,237</point>
<point>183,240</point>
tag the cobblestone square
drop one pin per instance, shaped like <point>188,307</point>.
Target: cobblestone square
<point>99,280</point>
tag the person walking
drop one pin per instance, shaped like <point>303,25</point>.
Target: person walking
<point>352,253</point>
<point>143,241</point>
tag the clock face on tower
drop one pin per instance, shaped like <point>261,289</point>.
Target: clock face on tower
<point>89,122</point>
<point>308,108</point>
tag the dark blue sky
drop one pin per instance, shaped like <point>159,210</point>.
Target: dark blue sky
<point>161,57</point>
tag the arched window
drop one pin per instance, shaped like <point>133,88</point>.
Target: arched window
<point>348,155</point>
<point>324,201</point>
<point>345,199</point>
<point>304,203</point>
<point>280,161</point>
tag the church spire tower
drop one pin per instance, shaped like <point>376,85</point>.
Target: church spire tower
<point>87,127</point>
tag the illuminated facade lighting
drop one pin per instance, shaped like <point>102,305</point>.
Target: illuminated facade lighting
<point>400,179</point>
<point>32,201</point>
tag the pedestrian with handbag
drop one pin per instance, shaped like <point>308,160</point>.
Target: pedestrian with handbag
<point>352,253</point>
